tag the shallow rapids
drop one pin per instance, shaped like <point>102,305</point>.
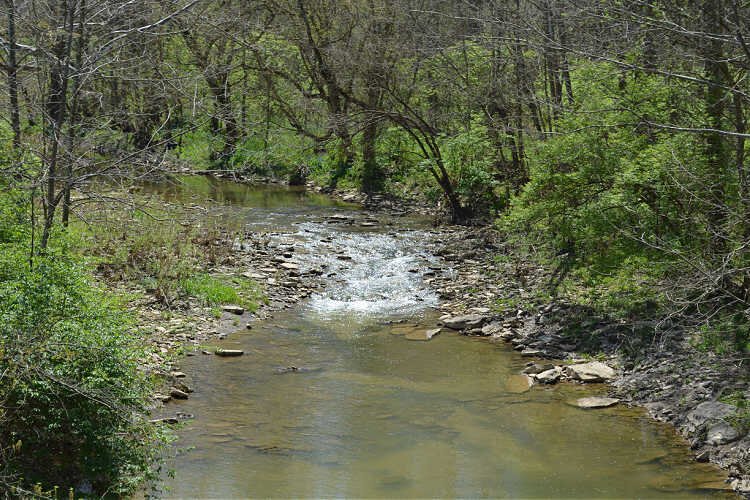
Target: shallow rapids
<point>331,399</point>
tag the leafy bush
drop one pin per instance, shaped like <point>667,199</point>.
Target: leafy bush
<point>73,398</point>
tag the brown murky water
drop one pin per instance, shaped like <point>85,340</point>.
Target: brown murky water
<point>368,413</point>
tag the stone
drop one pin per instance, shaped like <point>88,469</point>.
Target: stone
<point>167,420</point>
<point>492,329</point>
<point>229,353</point>
<point>703,456</point>
<point>289,266</point>
<point>594,371</point>
<point>596,402</point>
<point>549,376</point>
<point>178,394</point>
<point>233,309</point>
<point>463,322</point>
<point>536,368</point>
<point>518,384</point>
<point>721,433</point>
<point>741,486</point>
<point>531,353</point>
<point>423,334</point>
<point>162,397</point>
<point>178,374</point>
<point>708,412</point>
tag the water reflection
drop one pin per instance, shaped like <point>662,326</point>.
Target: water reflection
<point>368,413</point>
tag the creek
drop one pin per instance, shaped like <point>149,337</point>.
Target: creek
<point>332,400</point>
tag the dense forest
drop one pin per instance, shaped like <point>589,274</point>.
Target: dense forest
<point>605,138</point>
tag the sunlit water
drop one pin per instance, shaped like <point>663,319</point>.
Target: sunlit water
<point>367,413</point>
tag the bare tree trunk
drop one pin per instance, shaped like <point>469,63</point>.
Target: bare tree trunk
<point>56,111</point>
<point>12,72</point>
<point>716,148</point>
<point>73,121</point>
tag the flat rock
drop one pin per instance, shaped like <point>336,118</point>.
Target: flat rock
<point>518,384</point>
<point>492,329</point>
<point>708,411</point>
<point>463,322</point>
<point>596,402</point>
<point>536,368</point>
<point>595,371</point>
<point>229,353</point>
<point>423,334</point>
<point>549,376</point>
<point>530,353</point>
<point>721,433</point>
<point>289,266</point>
<point>166,420</point>
<point>178,394</point>
<point>233,309</point>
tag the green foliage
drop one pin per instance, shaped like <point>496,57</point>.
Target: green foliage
<point>468,157</point>
<point>280,155</point>
<point>195,147</point>
<point>72,394</point>
<point>214,291</point>
<point>724,333</point>
<point>613,197</point>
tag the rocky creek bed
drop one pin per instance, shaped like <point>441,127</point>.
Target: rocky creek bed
<point>498,299</point>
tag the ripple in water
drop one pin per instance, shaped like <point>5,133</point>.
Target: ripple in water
<point>372,274</point>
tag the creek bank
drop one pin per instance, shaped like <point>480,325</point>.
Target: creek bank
<point>497,294</point>
<point>487,290</point>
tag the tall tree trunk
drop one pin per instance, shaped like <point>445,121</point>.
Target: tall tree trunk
<point>12,72</point>
<point>56,111</point>
<point>717,152</point>
<point>73,121</point>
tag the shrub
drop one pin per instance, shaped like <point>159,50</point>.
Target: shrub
<point>74,400</point>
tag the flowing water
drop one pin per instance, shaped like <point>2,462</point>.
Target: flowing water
<point>331,399</point>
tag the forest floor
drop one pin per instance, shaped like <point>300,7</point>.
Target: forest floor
<point>496,292</point>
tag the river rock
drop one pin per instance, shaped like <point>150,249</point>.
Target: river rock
<point>492,329</point>
<point>549,376</point>
<point>229,353</point>
<point>289,266</point>
<point>536,368</point>
<point>741,486</point>
<point>423,334</point>
<point>178,394</point>
<point>594,371</point>
<point>706,413</point>
<point>166,420</point>
<point>596,402</point>
<point>721,433</point>
<point>518,384</point>
<point>233,309</point>
<point>463,322</point>
<point>531,353</point>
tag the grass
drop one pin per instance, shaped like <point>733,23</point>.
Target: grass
<point>214,291</point>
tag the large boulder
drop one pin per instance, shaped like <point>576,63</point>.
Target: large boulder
<point>707,413</point>
<point>721,433</point>
<point>594,371</point>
